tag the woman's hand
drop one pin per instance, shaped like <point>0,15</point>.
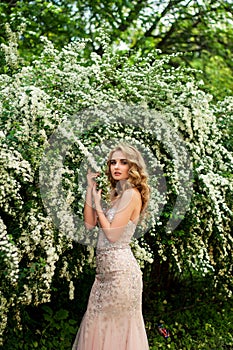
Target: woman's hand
<point>90,213</point>
<point>90,178</point>
<point>97,197</point>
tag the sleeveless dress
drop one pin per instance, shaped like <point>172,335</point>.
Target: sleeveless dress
<point>113,320</point>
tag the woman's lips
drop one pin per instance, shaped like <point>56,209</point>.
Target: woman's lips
<point>117,174</point>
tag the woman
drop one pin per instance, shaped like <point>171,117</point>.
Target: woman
<point>113,320</point>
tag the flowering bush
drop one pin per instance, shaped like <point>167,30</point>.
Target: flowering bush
<point>62,87</point>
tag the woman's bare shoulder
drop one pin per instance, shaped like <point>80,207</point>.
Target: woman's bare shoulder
<point>130,199</point>
<point>133,193</point>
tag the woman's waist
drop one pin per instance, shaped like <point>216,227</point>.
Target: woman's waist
<point>111,248</point>
<point>111,260</point>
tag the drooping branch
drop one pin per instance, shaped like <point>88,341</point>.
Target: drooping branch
<point>170,5</point>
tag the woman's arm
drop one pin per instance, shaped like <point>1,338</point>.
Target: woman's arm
<point>129,203</point>
<point>90,216</point>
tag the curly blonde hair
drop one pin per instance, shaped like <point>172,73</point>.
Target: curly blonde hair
<point>137,173</point>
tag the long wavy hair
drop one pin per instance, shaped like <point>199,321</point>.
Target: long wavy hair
<point>138,176</point>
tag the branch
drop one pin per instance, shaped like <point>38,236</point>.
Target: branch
<point>134,12</point>
<point>158,18</point>
<point>171,31</point>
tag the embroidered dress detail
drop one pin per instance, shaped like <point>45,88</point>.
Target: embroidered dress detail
<point>113,320</point>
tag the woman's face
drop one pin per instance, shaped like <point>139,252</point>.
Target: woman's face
<point>119,166</point>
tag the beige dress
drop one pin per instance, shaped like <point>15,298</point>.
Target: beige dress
<point>113,320</point>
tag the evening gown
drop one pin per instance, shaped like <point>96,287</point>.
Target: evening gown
<point>113,319</point>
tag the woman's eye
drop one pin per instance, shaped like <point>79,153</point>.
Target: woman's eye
<point>124,162</point>
<point>112,162</point>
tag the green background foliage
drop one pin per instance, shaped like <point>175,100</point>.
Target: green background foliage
<point>201,30</point>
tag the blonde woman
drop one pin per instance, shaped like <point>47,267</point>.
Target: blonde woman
<point>113,320</point>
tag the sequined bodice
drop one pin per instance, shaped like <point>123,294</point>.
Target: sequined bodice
<point>124,240</point>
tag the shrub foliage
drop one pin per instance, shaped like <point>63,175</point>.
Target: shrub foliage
<point>35,99</point>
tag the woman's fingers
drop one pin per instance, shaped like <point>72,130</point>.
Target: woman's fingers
<point>96,193</point>
<point>90,177</point>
